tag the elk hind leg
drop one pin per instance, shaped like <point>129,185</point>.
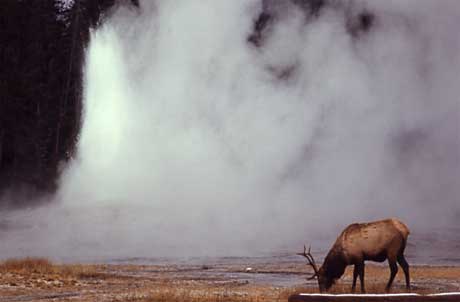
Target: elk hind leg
<point>405,266</point>
<point>393,270</point>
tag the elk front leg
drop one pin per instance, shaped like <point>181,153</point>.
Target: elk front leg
<point>355,276</point>
<point>361,276</point>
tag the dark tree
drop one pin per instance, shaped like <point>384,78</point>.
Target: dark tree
<point>42,53</point>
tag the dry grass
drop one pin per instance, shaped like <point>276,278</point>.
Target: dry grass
<point>41,266</point>
<point>248,293</point>
<point>173,283</point>
<point>208,294</point>
<point>416,272</point>
<point>27,265</point>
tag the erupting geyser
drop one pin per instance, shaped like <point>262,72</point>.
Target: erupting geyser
<point>223,127</point>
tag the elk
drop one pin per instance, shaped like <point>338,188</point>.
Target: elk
<point>374,241</point>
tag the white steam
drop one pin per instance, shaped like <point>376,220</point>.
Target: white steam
<point>193,144</point>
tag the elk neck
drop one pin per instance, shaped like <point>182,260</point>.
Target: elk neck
<point>334,264</point>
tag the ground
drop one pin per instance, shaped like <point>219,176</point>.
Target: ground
<point>41,280</point>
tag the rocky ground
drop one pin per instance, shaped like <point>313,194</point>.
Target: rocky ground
<point>40,280</point>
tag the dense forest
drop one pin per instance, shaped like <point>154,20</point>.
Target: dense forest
<point>42,51</point>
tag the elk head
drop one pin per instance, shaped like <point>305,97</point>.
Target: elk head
<point>324,282</point>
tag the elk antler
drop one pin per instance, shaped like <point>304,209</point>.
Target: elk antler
<point>310,259</point>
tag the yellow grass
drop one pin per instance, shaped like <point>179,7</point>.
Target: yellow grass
<point>171,283</point>
<point>27,265</point>
<point>41,266</point>
<point>381,273</point>
<point>208,294</point>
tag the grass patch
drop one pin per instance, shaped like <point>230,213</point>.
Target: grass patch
<point>27,265</point>
<point>207,294</point>
<point>42,266</point>
<point>131,283</point>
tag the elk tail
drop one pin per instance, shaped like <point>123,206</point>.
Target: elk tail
<point>401,227</point>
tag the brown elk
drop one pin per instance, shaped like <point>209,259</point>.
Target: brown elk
<point>374,241</point>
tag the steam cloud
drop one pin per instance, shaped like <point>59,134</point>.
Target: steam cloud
<point>197,141</point>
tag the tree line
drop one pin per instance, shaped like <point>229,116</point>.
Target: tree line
<point>42,52</point>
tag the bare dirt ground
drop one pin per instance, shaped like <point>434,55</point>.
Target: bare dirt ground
<point>40,280</point>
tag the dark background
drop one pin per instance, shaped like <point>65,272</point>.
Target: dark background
<point>41,68</point>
